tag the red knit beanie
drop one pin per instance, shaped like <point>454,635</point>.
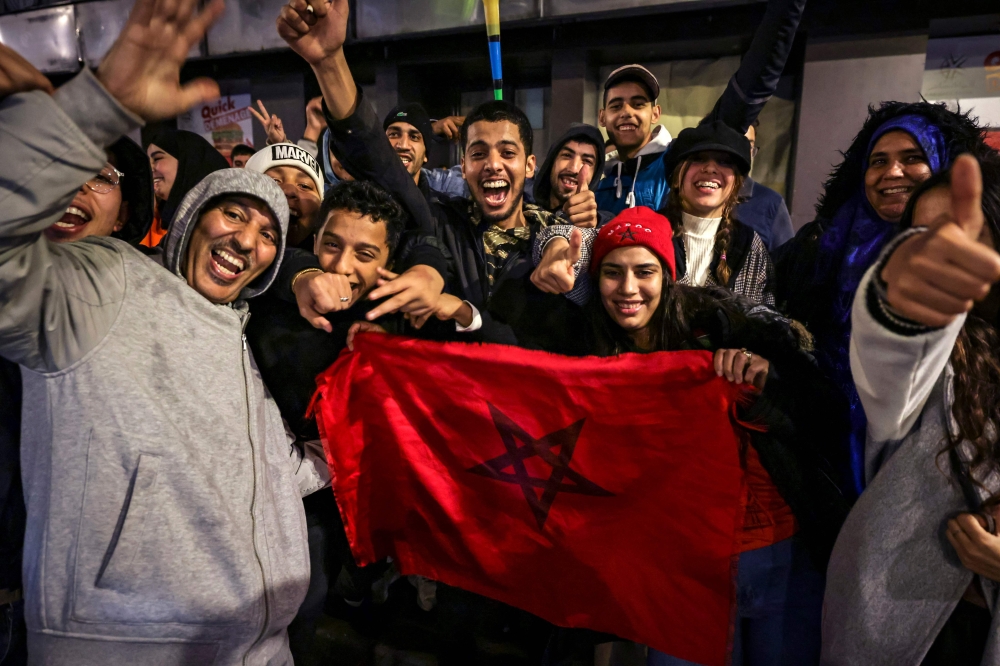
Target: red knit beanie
<point>636,226</point>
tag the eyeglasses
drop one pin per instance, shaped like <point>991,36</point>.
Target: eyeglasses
<point>108,179</point>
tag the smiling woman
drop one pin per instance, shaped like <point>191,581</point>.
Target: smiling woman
<point>708,165</point>
<point>818,271</point>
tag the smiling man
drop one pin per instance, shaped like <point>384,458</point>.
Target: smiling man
<point>153,457</point>
<point>299,176</point>
<point>410,130</point>
<point>361,230</point>
<point>487,236</point>
<point>637,177</point>
<point>566,180</point>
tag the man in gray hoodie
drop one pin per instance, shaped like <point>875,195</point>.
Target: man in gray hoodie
<point>164,517</point>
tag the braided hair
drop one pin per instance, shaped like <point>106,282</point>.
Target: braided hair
<point>675,208</point>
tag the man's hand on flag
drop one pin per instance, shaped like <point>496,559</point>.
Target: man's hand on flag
<point>361,327</point>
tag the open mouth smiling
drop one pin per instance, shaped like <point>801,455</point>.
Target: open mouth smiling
<point>708,186</point>
<point>225,265</point>
<point>74,218</point>
<point>495,192</point>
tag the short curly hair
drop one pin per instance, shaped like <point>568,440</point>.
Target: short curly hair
<point>368,200</point>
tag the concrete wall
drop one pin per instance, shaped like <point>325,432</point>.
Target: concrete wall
<point>840,79</point>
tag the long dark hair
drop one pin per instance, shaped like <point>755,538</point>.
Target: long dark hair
<point>674,324</point>
<point>974,359</point>
<point>675,207</point>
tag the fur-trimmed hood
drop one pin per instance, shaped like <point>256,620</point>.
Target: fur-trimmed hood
<point>961,132</point>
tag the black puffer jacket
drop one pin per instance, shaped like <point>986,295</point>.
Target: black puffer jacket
<point>802,415</point>
<point>805,418</point>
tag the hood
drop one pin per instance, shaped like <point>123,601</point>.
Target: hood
<point>960,132</point>
<point>137,189</point>
<point>659,143</point>
<point>577,132</point>
<point>196,158</point>
<point>227,181</point>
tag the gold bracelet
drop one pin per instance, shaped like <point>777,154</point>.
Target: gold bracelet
<point>304,272</point>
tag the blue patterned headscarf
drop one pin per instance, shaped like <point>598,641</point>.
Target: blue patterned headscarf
<point>848,248</point>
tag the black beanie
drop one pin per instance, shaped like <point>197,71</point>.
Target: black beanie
<point>415,115</point>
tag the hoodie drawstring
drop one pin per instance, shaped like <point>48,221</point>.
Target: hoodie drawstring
<point>630,199</point>
<point>618,182</point>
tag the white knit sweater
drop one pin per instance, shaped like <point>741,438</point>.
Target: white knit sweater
<point>699,241</point>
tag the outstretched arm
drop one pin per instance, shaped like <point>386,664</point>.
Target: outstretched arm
<point>318,36</point>
<point>60,300</point>
<point>757,78</point>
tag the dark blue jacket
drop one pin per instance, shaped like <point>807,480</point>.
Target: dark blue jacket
<point>764,211</point>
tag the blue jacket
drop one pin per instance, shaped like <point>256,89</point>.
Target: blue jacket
<point>764,211</point>
<point>738,106</point>
<point>621,188</point>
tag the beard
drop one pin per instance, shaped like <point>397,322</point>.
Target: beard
<point>497,218</point>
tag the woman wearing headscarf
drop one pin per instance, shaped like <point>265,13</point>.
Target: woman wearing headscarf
<point>179,161</point>
<point>914,574</point>
<point>818,272</point>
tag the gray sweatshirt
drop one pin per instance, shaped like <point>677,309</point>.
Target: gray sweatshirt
<point>893,579</point>
<point>165,524</point>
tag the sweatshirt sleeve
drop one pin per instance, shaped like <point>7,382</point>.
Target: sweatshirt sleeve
<point>580,293</point>
<point>894,370</point>
<point>757,78</point>
<point>57,301</point>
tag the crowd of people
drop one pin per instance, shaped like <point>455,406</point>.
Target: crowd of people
<point>164,498</point>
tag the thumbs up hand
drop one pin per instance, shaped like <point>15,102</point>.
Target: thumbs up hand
<point>936,276</point>
<point>555,273</point>
<point>581,207</point>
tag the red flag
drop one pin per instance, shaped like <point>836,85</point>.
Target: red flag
<point>604,493</point>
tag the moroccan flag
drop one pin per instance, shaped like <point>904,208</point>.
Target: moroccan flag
<point>604,493</point>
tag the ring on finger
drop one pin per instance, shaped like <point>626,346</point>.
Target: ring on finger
<point>344,299</point>
<point>749,355</point>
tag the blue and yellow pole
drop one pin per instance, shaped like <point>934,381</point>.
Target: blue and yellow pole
<point>492,8</point>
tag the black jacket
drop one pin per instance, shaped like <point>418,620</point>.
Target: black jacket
<point>513,310</point>
<point>803,415</point>
<point>290,353</point>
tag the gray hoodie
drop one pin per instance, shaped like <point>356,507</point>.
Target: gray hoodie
<point>894,580</point>
<point>165,524</point>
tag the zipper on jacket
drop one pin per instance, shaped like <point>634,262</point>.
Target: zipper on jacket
<point>253,498</point>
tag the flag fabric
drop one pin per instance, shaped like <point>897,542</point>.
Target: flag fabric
<point>604,493</point>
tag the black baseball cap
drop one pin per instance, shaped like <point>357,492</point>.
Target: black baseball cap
<point>636,73</point>
<point>415,115</point>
